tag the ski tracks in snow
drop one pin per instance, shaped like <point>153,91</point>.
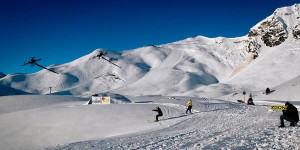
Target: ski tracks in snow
<point>216,124</point>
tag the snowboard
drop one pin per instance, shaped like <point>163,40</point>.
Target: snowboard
<point>187,113</point>
<point>241,101</point>
<point>288,127</point>
<point>152,121</point>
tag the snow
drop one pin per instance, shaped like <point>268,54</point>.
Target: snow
<point>213,72</point>
<point>35,122</point>
<point>64,122</point>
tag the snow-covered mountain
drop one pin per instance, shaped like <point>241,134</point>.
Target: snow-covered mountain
<point>2,75</point>
<point>268,56</point>
<point>199,68</point>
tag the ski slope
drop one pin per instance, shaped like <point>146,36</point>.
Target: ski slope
<point>39,122</point>
<point>215,124</point>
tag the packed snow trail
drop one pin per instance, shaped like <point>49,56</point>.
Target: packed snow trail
<point>217,124</point>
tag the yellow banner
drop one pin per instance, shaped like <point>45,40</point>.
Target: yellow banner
<point>105,100</point>
<point>274,107</point>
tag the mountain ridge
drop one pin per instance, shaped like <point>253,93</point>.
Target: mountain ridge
<point>2,75</point>
<point>185,67</point>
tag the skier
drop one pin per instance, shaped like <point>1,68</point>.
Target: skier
<point>159,113</point>
<point>290,114</point>
<point>190,105</point>
<point>250,101</point>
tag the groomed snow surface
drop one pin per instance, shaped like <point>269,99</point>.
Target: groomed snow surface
<point>66,122</point>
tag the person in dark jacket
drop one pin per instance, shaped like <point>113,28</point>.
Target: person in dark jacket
<point>290,114</point>
<point>159,113</point>
<point>250,101</point>
<point>268,91</point>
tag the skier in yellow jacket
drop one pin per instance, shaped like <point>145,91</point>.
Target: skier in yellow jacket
<point>189,103</point>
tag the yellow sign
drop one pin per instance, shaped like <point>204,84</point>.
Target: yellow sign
<point>274,107</point>
<point>105,100</point>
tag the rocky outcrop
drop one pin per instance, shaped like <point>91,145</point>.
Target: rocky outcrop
<point>296,32</point>
<point>272,32</point>
<point>283,23</point>
<point>253,47</point>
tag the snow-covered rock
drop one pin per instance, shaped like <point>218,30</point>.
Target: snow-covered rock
<point>275,29</point>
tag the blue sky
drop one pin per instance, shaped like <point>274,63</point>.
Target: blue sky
<point>60,31</point>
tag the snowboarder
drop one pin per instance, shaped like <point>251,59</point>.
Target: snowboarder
<point>159,113</point>
<point>250,95</point>
<point>250,101</point>
<point>290,114</point>
<point>190,105</point>
<point>268,91</point>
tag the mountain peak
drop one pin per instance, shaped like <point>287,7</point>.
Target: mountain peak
<point>275,29</point>
<point>2,75</point>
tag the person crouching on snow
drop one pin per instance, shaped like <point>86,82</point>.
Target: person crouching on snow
<point>159,113</point>
<point>290,114</point>
<point>190,105</point>
<point>250,101</point>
